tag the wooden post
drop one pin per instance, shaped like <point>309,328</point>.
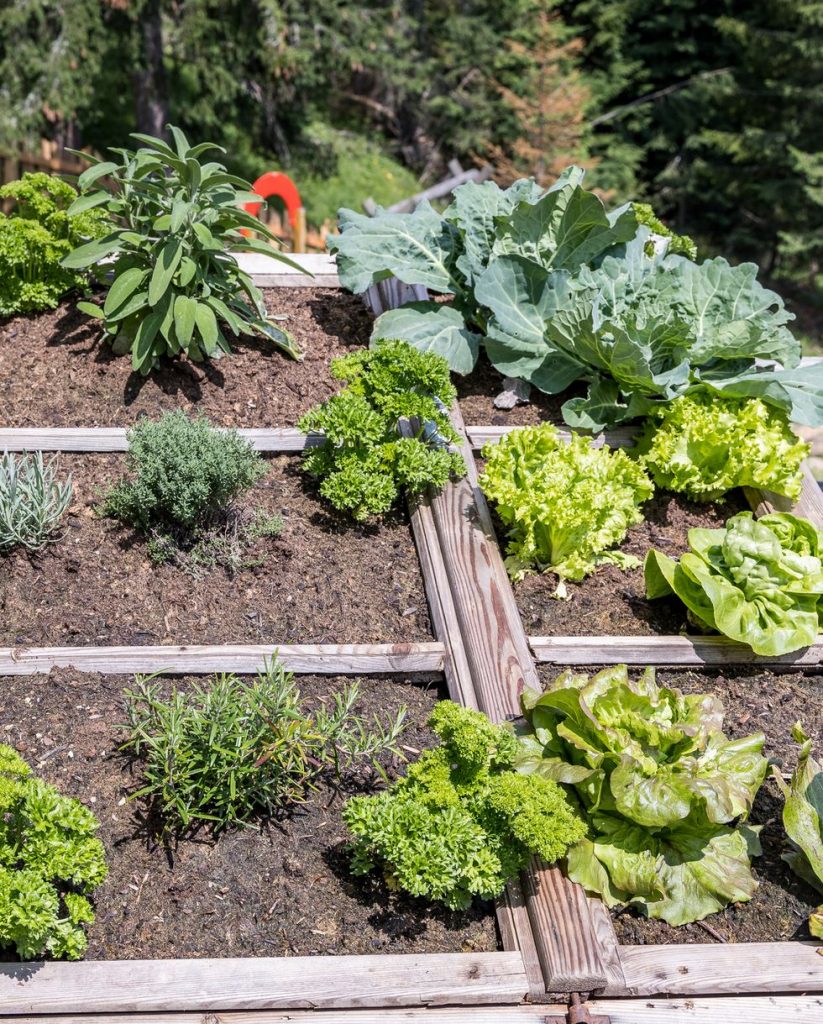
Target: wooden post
<point>299,231</point>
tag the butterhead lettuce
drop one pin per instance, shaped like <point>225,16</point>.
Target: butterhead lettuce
<point>665,792</point>
<point>703,445</point>
<point>757,581</point>
<point>563,505</point>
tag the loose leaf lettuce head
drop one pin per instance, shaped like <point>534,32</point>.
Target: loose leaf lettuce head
<point>757,581</point>
<point>662,787</point>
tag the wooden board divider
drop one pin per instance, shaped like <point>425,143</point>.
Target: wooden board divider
<point>115,439</point>
<point>300,982</point>
<point>671,651</point>
<point>303,659</point>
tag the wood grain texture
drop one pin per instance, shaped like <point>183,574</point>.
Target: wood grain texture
<point>809,505</point>
<point>332,982</point>
<point>115,439</point>
<point>272,273</point>
<point>620,437</point>
<point>712,969</point>
<point>305,659</point>
<point>663,650</point>
<point>501,665</point>
<point>391,293</point>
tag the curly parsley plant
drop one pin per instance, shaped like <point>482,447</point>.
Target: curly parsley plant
<point>564,505</point>
<point>50,863</point>
<point>462,822</point>
<point>365,463</point>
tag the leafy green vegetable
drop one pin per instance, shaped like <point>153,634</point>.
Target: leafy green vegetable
<point>704,445</point>
<point>363,462</point>
<point>803,820</point>
<point>176,283</point>
<point>661,785</point>
<point>676,245</point>
<point>557,290</point>
<point>564,505</point>
<point>758,581</point>
<point>50,863</point>
<point>34,237</point>
<point>462,822</point>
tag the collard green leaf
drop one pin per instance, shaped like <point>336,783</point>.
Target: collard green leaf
<point>417,248</point>
<point>797,392</point>
<point>431,327</point>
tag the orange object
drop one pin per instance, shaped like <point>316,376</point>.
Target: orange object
<point>273,183</point>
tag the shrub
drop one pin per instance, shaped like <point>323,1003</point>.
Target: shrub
<point>176,284</point>
<point>184,472</point>
<point>227,751</point>
<point>663,789</point>
<point>462,822</point>
<point>364,463</point>
<point>32,502</point>
<point>34,238</point>
<point>757,581</point>
<point>705,445</point>
<point>563,504</point>
<point>50,863</point>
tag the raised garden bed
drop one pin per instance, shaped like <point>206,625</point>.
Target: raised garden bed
<point>322,580</point>
<point>285,890</point>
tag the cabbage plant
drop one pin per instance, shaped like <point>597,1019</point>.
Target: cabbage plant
<point>803,820</point>
<point>757,581</point>
<point>665,792</point>
<point>176,286</point>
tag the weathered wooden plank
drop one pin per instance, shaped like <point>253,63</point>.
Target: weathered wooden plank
<point>663,650</point>
<point>271,273</point>
<point>608,945</point>
<point>712,969</point>
<point>442,188</point>
<point>620,437</point>
<point>390,294</point>
<point>114,439</point>
<point>516,933</point>
<point>729,1010</point>
<point>306,659</point>
<point>323,983</point>
<point>501,664</point>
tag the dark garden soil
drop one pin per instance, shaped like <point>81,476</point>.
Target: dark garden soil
<point>282,891</point>
<point>323,580</point>
<point>477,391</point>
<point>56,371</point>
<point>612,601</point>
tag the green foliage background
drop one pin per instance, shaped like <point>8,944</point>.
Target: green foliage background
<point>712,112</point>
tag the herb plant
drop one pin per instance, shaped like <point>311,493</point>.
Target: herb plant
<point>228,751</point>
<point>665,792</point>
<point>50,863</point>
<point>176,285</point>
<point>364,463</point>
<point>803,820</point>
<point>32,500</point>
<point>557,290</point>
<point>462,821</point>
<point>37,233</point>
<point>703,445</point>
<point>563,505</point>
<point>757,581</point>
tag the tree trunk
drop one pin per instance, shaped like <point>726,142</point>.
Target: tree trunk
<point>150,88</point>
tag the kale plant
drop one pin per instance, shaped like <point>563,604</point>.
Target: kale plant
<point>32,501</point>
<point>228,751</point>
<point>50,863</point>
<point>34,237</point>
<point>462,822</point>
<point>176,285</point>
<point>363,462</point>
<point>665,792</point>
<point>558,291</point>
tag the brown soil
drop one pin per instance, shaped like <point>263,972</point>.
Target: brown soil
<point>323,580</point>
<point>612,601</point>
<point>283,891</point>
<point>56,371</point>
<point>772,703</point>
<point>477,392</point>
